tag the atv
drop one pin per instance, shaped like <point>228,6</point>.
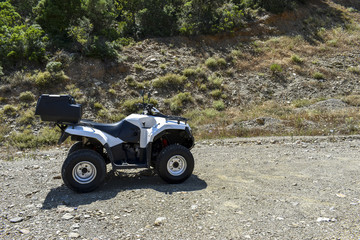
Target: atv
<point>147,140</point>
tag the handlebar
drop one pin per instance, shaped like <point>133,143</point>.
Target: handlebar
<point>149,109</point>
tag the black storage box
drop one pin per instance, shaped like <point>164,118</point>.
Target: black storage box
<point>58,108</point>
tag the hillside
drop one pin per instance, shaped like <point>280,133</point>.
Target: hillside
<point>290,73</point>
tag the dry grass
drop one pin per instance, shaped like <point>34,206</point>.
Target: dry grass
<point>295,119</point>
<point>288,51</point>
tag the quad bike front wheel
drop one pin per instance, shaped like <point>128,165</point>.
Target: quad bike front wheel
<point>175,164</point>
<point>83,170</point>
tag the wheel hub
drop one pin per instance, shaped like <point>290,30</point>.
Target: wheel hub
<point>176,165</point>
<point>84,172</point>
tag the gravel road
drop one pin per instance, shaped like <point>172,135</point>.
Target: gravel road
<point>257,188</point>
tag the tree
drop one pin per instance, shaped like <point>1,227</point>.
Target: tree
<point>55,16</point>
<point>18,41</point>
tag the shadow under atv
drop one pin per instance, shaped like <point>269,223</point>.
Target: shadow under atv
<point>119,182</point>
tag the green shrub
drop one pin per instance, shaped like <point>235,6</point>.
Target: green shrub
<point>26,118</point>
<point>229,17</point>
<point>131,82</point>
<point>197,17</point>
<point>201,72</point>
<point>112,91</point>
<point>27,139</point>
<point>236,53</point>
<point>108,116</point>
<point>9,110</point>
<point>188,72</point>
<point>4,130</point>
<point>219,105</point>
<point>27,96</point>
<point>169,80</point>
<point>178,101</point>
<point>206,116</point>
<point>19,42</point>
<point>221,62</point>
<point>49,80</point>
<point>53,67</point>
<point>299,103</point>
<point>116,117</point>
<point>102,113</point>
<point>203,87</point>
<point>318,75</point>
<point>55,16</point>
<point>80,32</point>
<point>276,68</point>
<point>215,82</point>
<point>139,67</point>
<point>216,93</point>
<point>296,59</point>
<point>131,105</point>
<point>211,63</point>
<point>98,106</point>
<point>214,63</point>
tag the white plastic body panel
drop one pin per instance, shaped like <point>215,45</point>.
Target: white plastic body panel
<point>89,132</point>
<point>150,127</point>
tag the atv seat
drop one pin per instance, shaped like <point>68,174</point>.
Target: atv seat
<point>123,129</point>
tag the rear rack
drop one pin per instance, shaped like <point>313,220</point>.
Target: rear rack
<point>177,118</point>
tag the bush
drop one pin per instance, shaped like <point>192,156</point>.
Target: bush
<point>131,82</point>
<point>188,72</point>
<point>216,93</point>
<point>214,63</point>
<point>9,110</point>
<point>98,106</point>
<point>49,80</point>
<point>26,139</point>
<point>178,101</point>
<point>26,118</point>
<point>19,42</point>
<point>53,67</point>
<point>198,17</point>
<point>157,18</point>
<point>219,105</point>
<point>169,80</point>
<point>55,16</point>
<point>276,68</point>
<point>131,105</point>
<point>236,53</point>
<point>296,59</point>
<point>4,130</point>
<point>112,91</point>
<point>229,17</point>
<point>27,96</point>
<point>138,67</point>
<point>215,82</point>
<point>318,75</point>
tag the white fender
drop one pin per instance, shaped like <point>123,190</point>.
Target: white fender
<point>162,125</point>
<point>89,132</point>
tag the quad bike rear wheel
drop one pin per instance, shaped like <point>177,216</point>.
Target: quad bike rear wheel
<point>83,170</point>
<point>175,164</point>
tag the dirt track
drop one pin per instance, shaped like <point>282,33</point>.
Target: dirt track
<point>266,188</point>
